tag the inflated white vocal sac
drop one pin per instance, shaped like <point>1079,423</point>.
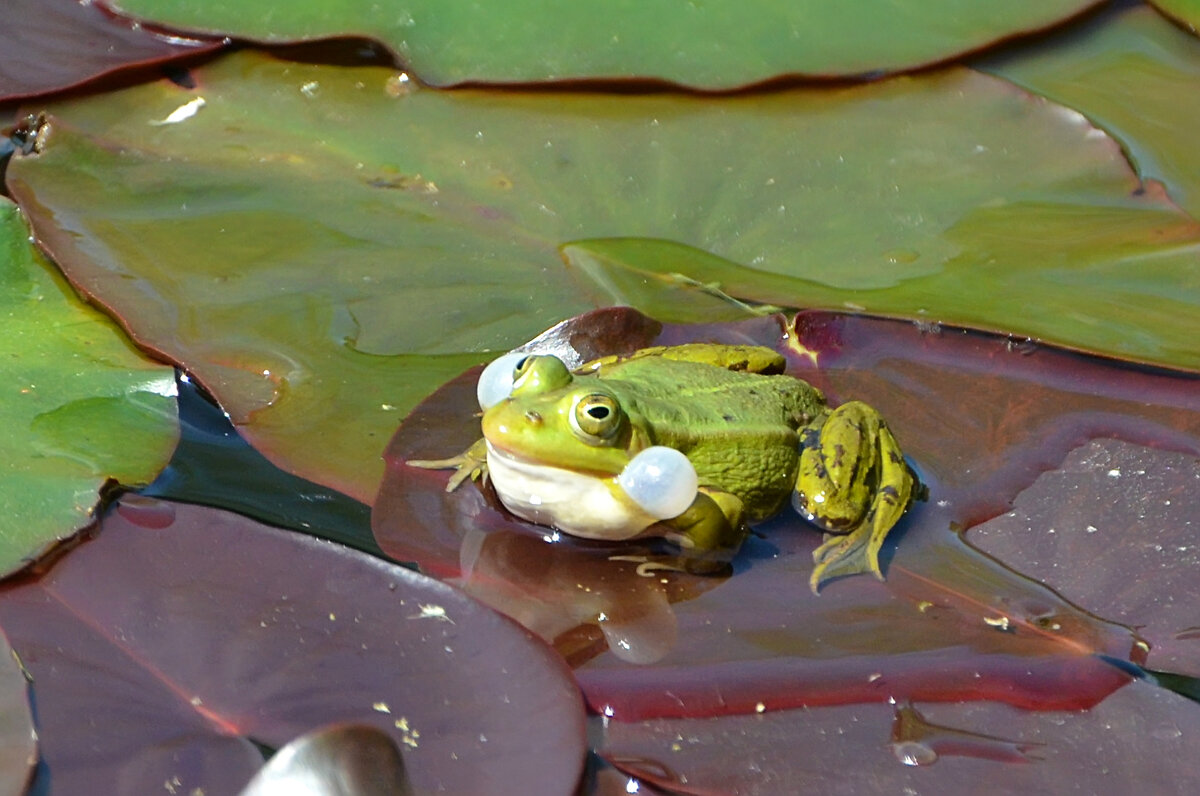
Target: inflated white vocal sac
<point>496,382</point>
<point>661,481</point>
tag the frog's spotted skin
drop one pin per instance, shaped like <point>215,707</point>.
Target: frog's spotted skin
<point>593,453</point>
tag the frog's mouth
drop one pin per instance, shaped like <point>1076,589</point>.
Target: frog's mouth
<point>590,506</point>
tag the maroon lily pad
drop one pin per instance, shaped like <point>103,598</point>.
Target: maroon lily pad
<point>1114,529</point>
<point>163,647</point>
<point>50,45</point>
<point>980,415</point>
<point>1139,740</point>
<point>18,742</point>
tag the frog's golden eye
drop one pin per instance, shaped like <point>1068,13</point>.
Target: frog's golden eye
<point>596,417</point>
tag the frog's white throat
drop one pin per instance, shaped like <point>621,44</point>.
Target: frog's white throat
<point>589,506</point>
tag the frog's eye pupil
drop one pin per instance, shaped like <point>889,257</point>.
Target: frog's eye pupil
<point>598,412</point>
<point>520,366</point>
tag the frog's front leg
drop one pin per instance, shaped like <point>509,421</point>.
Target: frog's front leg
<point>854,483</point>
<point>471,463</point>
<point>708,535</point>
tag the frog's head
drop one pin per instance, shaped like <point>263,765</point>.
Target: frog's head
<point>540,415</point>
<point>553,417</point>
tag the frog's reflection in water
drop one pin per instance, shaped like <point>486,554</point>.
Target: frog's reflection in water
<point>575,595</point>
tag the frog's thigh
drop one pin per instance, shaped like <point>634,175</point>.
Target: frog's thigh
<point>712,529</point>
<point>896,485</point>
<point>833,485</point>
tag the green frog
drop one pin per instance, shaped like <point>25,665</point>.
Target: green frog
<point>692,443</point>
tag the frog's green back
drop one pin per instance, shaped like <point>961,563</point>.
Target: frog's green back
<point>738,429</point>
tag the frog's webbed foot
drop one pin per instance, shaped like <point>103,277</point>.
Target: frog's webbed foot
<point>471,463</point>
<point>854,483</point>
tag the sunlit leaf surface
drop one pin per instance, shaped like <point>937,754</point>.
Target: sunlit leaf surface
<point>163,648</point>
<point>322,245</point>
<point>1095,526</point>
<point>80,406</point>
<point>1135,75</point>
<point>980,416</point>
<point>48,45</point>
<point>1118,304</point>
<point>718,44</point>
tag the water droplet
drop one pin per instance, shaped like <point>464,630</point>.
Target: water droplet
<point>914,753</point>
<point>901,256</point>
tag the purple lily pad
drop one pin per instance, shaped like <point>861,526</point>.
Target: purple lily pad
<point>18,741</point>
<point>1097,526</point>
<point>162,647</point>
<point>980,415</point>
<point>50,45</point>
<point>1139,740</point>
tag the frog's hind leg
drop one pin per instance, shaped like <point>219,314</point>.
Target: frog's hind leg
<point>854,483</point>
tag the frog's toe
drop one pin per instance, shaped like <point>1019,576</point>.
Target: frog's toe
<point>844,554</point>
<point>470,464</point>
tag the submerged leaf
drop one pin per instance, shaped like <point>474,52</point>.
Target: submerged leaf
<point>275,228</point>
<point>81,407</point>
<point>1093,529</point>
<point>163,648</point>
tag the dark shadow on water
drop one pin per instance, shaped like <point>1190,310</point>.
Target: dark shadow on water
<point>1182,684</point>
<point>214,466</point>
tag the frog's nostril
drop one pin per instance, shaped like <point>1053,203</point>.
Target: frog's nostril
<point>533,417</point>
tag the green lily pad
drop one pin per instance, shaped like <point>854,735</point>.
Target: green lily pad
<point>1134,74</point>
<point>1110,312</point>
<point>719,44</point>
<point>81,406</point>
<point>1186,12</point>
<point>322,246</point>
